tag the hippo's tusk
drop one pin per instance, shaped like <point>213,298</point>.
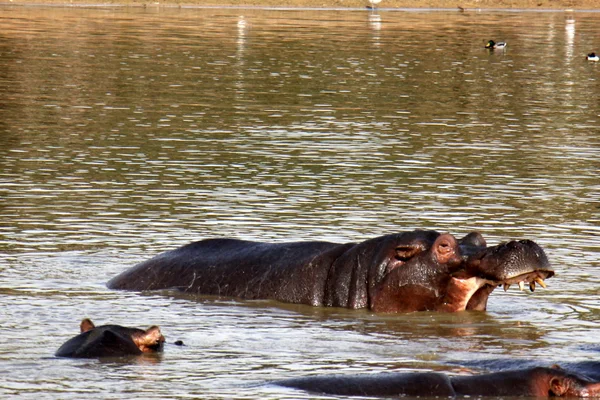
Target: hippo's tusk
<point>540,281</point>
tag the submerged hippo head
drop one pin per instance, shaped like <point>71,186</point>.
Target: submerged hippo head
<point>536,382</point>
<point>561,383</point>
<point>111,341</point>
<point>456,275</point>
<point>540,382</point>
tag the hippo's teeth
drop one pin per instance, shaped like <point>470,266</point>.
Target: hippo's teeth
<point>506,286</point>
<point>532,286</point>
<point>540,281</point>
<point>521,286</point>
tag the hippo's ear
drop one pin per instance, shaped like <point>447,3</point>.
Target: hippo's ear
<point>149,340</point>
<point>558,386</point>
<point>86,325</point>
<point>153,334</point>
<point>446,249</point>
<point>556,366</point>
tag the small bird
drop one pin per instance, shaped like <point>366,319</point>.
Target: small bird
<point>493,45</point>
<point>593,57</point>
<point>373,5</point>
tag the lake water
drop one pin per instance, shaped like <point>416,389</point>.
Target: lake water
<point>128,132</point>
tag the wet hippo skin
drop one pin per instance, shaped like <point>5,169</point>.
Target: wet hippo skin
<point>532,382</point>
<point>111,341</point>
<point>411,271</point>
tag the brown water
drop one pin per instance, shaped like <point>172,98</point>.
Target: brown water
<point>127,132</point>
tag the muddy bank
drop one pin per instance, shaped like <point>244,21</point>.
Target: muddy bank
<point>446,4</point>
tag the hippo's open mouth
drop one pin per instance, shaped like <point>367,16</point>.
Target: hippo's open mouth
<point>522,263</point>
<point>517,262</point>
<point>476,296</point>
<point>472,293</point>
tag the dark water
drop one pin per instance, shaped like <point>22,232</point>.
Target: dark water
<point>124,133</point>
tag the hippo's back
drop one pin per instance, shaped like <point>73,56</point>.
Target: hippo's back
<point>239,268</point>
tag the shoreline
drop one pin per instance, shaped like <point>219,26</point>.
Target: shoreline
<point>385,5</point>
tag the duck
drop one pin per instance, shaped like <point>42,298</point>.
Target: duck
<point>493,45</point>
<point>593,57</point>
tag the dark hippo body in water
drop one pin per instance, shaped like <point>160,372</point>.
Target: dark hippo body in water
<point>111,341</point>
<point>411,271</point>
<point>588,368</point>
<point>532,382</point>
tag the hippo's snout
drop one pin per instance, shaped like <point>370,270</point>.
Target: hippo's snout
<point>516,262</point>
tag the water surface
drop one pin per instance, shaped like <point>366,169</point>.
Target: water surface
<point>127,132</point>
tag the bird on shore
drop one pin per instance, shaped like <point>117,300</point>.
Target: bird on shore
<point>593,57</point>
<point>373,5</point>
<point>495,46</point>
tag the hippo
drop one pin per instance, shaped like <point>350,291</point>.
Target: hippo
<point>531,382</point>
<point>111,341</point>
<point>589,368</point>
<point>420,270</point>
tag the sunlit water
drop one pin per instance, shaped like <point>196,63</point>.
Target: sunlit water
<point>124,133</point>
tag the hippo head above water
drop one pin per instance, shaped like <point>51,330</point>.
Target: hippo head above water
<point>419,270</point>
<point>111,341</point>
<point>459,275</point>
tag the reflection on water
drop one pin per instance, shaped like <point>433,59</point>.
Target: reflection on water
<point>129,132</point>
<point>375,25</point>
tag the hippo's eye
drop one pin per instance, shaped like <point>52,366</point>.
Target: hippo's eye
<point>405,253</point>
